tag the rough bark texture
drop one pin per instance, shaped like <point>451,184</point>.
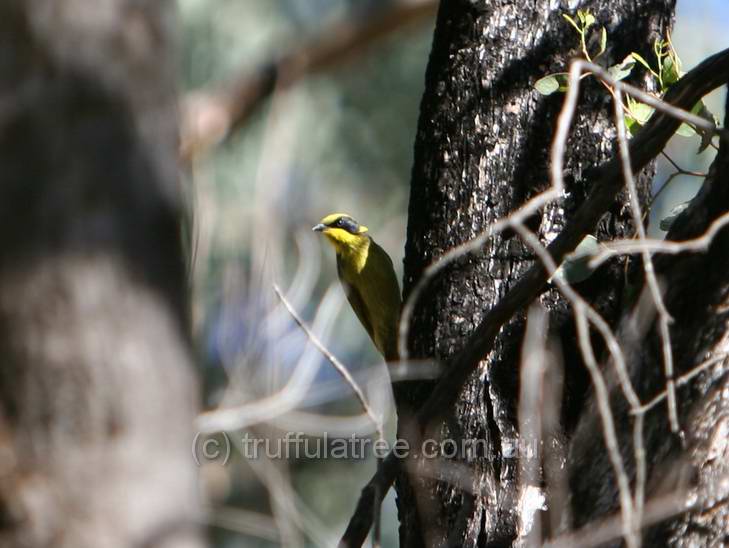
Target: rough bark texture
<point>695,468</point>
<point>97,393</point>
<point>482,151</point>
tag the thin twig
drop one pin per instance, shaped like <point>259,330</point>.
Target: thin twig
<point>345,374</point>
<point>679,169</point>
<point>664,317</point>
<point>332,359</point>
<point>680,381</point>
<point>602,397</point>
<point>229,417</point>
<point>626,247</point>
<point>672,176</point>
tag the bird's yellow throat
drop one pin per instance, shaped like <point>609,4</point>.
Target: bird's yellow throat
<point>353,247</point>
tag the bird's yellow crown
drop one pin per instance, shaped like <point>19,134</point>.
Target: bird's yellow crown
<point>342,231</point>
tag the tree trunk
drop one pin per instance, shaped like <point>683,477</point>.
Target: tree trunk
<point>97,393</point>
<point>481,151</point>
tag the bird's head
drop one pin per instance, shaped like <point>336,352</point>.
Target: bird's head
<point>342,231</point>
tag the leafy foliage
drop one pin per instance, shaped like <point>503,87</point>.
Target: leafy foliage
<point>665,72</point>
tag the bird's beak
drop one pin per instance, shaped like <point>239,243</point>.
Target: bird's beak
<point>319,228</point>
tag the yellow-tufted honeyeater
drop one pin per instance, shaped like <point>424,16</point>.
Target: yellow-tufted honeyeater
<point>368,278</point>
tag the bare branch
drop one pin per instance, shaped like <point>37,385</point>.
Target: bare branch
<point>624,247</point>
<point>597,534</point>
<point>680,381</point>
<point>361,520</point>
<point>341,369</point>
<point>230,417</point>
<point>211,116</point>
<point>664,318</point>
<point>581,311</point>
<point>345,374</point>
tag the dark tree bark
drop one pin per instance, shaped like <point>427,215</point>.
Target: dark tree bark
<point>481,151</point>
<point>695,466</point>
<point>97,393</point>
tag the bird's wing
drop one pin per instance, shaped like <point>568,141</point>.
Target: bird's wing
<point>358,303</point>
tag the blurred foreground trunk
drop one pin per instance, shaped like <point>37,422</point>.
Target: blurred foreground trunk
<point>97,392</point>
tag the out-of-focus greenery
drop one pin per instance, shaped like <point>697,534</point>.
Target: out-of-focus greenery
<point>339,141</point>
<point>343,143</point>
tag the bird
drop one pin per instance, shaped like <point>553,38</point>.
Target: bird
<point>366,273</point>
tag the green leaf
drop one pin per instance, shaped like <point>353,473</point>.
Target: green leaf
<point>637,115</point>
<point>551,83</point>
<point>575,267</point>
<point>572,22</point>
<point>586,18</point>
<point>642,61</point>
<point>669,219</point>
<point>547,85</point>
<point>687,130</point>
<point>603,41</point>
<point>631,124</point>
<point>640,111</point>
<point>622,70</point>
<point>669,72</point>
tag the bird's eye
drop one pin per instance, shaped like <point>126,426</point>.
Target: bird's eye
<point>345,223</point>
